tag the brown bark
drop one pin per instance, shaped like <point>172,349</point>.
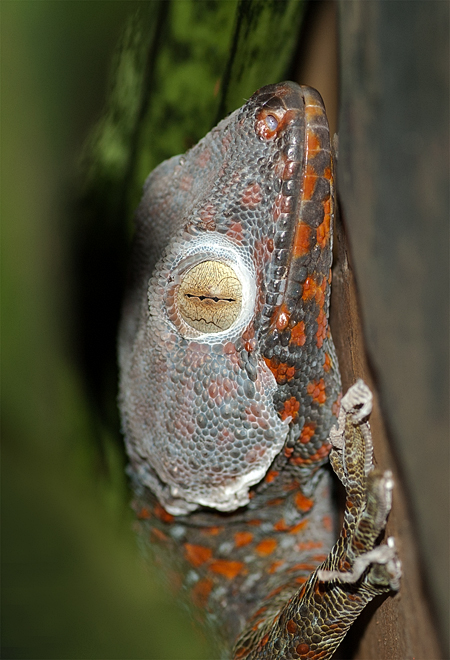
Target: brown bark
<point>402,625</point>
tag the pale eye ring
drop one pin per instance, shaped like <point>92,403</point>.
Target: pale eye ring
<point>209,296</point>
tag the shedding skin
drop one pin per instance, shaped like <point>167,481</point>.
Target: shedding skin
<point>230,388</point>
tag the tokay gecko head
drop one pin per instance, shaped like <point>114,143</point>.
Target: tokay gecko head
<point>225,325</point>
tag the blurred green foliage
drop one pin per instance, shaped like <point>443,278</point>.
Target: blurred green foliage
<point>74,583</point>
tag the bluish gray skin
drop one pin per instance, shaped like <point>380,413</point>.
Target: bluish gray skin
<point>227,424</point>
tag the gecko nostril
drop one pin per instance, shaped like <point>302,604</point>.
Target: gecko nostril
<point>268,123</point>
<point>272,123</point>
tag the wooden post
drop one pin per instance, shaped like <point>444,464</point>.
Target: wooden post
<point>393,188</point>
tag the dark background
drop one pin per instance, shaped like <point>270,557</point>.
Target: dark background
<point>74,582</point>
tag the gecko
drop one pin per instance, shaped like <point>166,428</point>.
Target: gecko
<point>230,393</point>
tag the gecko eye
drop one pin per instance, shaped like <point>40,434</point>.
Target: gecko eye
<point>210,296</point>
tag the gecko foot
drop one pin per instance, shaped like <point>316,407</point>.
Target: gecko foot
<point>368,502</point>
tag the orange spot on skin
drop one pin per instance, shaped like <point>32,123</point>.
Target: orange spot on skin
<point>299,526</point>
<point>290,373</point>
<point>298,336</point>
<point>288,451</point>
<point>302,649</point>
<point>251,196</point>
<point>241,652</point>
<point>312,143</point>
<point>354,598</point>
<point>274,566</point>
<point>266,547</point>
<point>344,565</point>
<point>303,567</point>
<point>322,326</point>
<point>264,640</point>
<point>309,545</point>
<point>307,433</point>
<point>248,337</point>
<point>309,182</point>
<point>201,591</point>
<point>275,502</point>
<point>291,626</point>
<point>303,503</point>
<point>162,514</point>
<point>309,288</point>
<point>293,485</point>
<point>229,569</point>
<point>275,591</point>
<point>316,390</point>
<point>302,239</point>
<point>327,364</point>
<point>212,531</point>
<point>255,522</point>
<point>159,535</point>
<point>235,232</point>
<point>290,409</point>
<point>323,230</point>
<point>197,554</point>
<point>242,538</point>
<point>280,370</point>
<point>259,612</point>
<point>271,475</point>
<point>257,624</point>
<point>335,408</point>
<point>320,454</point>
<point>312,289</point>
<point>281,526</point>
<point>327,523</point>
<point>144,513</point>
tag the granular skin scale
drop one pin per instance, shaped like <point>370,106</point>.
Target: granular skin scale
<point>230,387</point>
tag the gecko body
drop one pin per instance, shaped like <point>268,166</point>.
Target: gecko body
<point>230,383</point>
